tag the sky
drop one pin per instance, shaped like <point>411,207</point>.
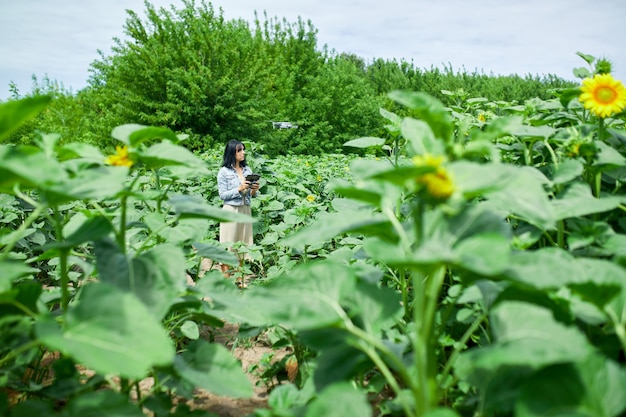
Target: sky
<point>59,39</point>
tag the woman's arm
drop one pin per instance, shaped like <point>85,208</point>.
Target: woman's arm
<point>227,185</point>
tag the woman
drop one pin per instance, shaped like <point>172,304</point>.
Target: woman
<point>236,193</point>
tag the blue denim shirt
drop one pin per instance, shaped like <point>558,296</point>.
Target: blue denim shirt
<point>228,186</point>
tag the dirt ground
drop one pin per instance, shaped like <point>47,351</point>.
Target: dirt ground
<point>249,355</point>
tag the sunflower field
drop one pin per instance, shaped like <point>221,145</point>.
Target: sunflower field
<point>471,263</point>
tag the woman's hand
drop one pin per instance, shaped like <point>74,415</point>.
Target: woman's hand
<point>244,186</point>
<point>254,187</point>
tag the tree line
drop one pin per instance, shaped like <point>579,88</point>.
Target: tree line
<point>193,71</point>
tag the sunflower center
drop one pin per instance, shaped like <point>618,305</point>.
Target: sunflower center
<point>605,95</point>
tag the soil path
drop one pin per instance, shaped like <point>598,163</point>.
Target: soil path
<point>250,355</point>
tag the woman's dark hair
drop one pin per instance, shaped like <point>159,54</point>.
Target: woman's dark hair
<point>229,154</point>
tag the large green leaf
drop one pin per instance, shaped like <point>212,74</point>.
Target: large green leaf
<point>14,113</point>
<point>593,387</point>
<point>608,157</point>
<point>81,229</point>
<point>429,109</point>
<point>475,239</point>
<point>544,268</point>
<point>166,153</point>
<point>29,167</point>
<point>524,196</point>
<point>566,171</point>
<point>156,277</point>
<point>94,183</point>
<point>365,142</point>
<point>420,138</point>
<point>473,179</point>
<point>111,332</point>
<point>187,206</point>
<point>331,225</point>
<point>526,336</point>
<point>339,400</point>
<point>604,282</point>
<point>528,131</point>
<point>135,134</point>
<point>378,308</point>
<point>309,297</point>
<point>215,253</point>
<point>20,299</point>
<point>212,367</point>
<point>103,403</point>
<point>12,270</point>
<point>576,201</point>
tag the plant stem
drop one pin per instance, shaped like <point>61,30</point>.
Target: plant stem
<point>460,345</point>
<point>560,237</point>
<point>620,328</point>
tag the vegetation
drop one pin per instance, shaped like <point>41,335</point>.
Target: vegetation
<point>194,72</point>
<point>477,268</point>
<point>425,244</point>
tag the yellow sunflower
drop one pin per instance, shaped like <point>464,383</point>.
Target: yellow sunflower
<point>438,184</point>
<point>603,95</point>
<point>310,198</point>
<point>120,158</point>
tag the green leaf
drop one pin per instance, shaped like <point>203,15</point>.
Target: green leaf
<point>279,302</point>
<point>591,387</point>
<point>28,167</point>
<point>212,367</point>
<point>339,400</point>
<point>567,95</point>
<point>190,330</point>
<point>134,134</point>
<point>420,138</point>
<point>534,342</point>
<point>544,268</point>
<point>187,206</point>
<point>95,183</point>
<point>13,270</point>
<point>110,332</point>
<point>154,276</point>
<point>287,396</point>
<point>215,253</point>
<point>608,157</point>
<point>365,142</point>
<point>332,225</point>
<point>474,179</point>
<point>103,403</point>
<point>566,171</point>
<point>588,58</point>
<point>379,308</point>
<point>23,297</point>
<point>15,113</point>
<point>528,131</point>
<point>524,196</point>
<point>604,282</point>
<point>166,153</point>
<point>429,109</point>
<point>576,200</point>
<point>502,126</point>
<point>89,229</point>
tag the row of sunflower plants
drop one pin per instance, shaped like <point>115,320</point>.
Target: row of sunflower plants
<point>97,316</point>
<point>489,274</point>
<point>99,307</point>
<point>479,272</point>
